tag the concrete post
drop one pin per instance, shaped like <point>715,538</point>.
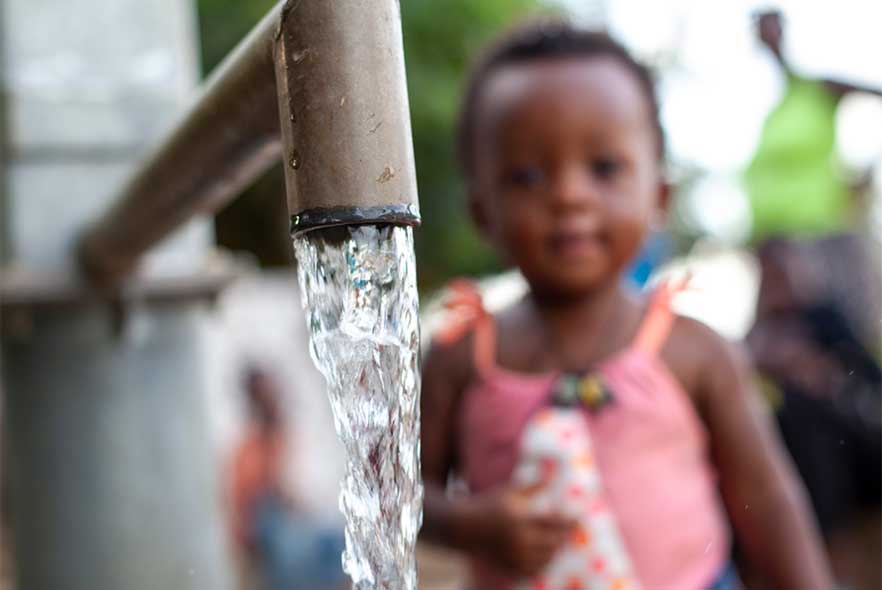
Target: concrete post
<point>113,481</point>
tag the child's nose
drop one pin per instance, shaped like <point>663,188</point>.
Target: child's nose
<point>573,188</point>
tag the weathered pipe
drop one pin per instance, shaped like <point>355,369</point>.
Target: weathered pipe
<point>332,73</point>
<point>344,114</point>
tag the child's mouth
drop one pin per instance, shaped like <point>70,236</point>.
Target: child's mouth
<point>570,245</point>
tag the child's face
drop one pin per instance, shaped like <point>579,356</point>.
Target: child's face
<point>567,178</point>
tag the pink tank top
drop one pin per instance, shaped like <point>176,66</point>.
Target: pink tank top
<point>651,449</point>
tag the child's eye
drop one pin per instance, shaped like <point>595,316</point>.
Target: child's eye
<point>525,177</point>
<point>605,167</point>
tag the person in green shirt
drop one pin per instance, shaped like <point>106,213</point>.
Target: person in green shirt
<point>793,182</point>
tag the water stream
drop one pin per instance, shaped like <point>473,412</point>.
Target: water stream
<point>359,293</point>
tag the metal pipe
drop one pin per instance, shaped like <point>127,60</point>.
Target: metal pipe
<point>334,73</point>
<point>224,141</point>
<point>344,114</point>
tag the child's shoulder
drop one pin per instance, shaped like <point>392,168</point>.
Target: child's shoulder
<point>694,351</point>
<point>464,332</point>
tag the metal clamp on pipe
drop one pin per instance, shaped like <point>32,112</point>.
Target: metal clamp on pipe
<point>344,114</point>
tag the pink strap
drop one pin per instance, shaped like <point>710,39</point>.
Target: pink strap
<point>659,318</point>
<point>466,313</point>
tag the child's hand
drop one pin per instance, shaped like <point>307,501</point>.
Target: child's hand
<point>517,535</point>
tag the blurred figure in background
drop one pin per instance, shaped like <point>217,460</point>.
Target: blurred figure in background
<point>825,387</point>
<point>797,188</point>
<point>278,547</point>
<point>816,340</point>
<point>794,184</point>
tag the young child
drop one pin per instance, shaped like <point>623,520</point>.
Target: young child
<point>592,428</point>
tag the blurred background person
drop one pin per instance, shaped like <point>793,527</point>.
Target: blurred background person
<point>825,389</point>
<point>817,335</point>
<point>798,186</point>
<point>279,546</point>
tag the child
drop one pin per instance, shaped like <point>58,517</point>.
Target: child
<point>280,547</point>
<point>561,148</point>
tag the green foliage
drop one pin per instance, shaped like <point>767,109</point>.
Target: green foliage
<point>257,221</point>
<point>223,23</point>
<point>440,40</point>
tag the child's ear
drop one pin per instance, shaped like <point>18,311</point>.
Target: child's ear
<point>478,212</point>
<point>663,200</point>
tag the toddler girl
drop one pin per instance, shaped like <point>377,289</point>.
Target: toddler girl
<point>605,442</point>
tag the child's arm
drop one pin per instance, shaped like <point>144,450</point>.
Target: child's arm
<point>765,500</point>
<point>442,384</point>
<point>500,526</point>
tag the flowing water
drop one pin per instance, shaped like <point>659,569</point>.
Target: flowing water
<point>359,293</point>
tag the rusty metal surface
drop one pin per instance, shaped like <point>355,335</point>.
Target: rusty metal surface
<point>341,98</point>
<point>222,144</point>
<point>344,113</point>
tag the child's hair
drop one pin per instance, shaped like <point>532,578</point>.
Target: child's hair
<point>545,39</point>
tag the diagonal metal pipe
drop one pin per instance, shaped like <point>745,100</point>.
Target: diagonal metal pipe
<point>322,83</point>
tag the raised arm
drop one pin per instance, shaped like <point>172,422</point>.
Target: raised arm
<point>769,30</point>
<point>840,88</point>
